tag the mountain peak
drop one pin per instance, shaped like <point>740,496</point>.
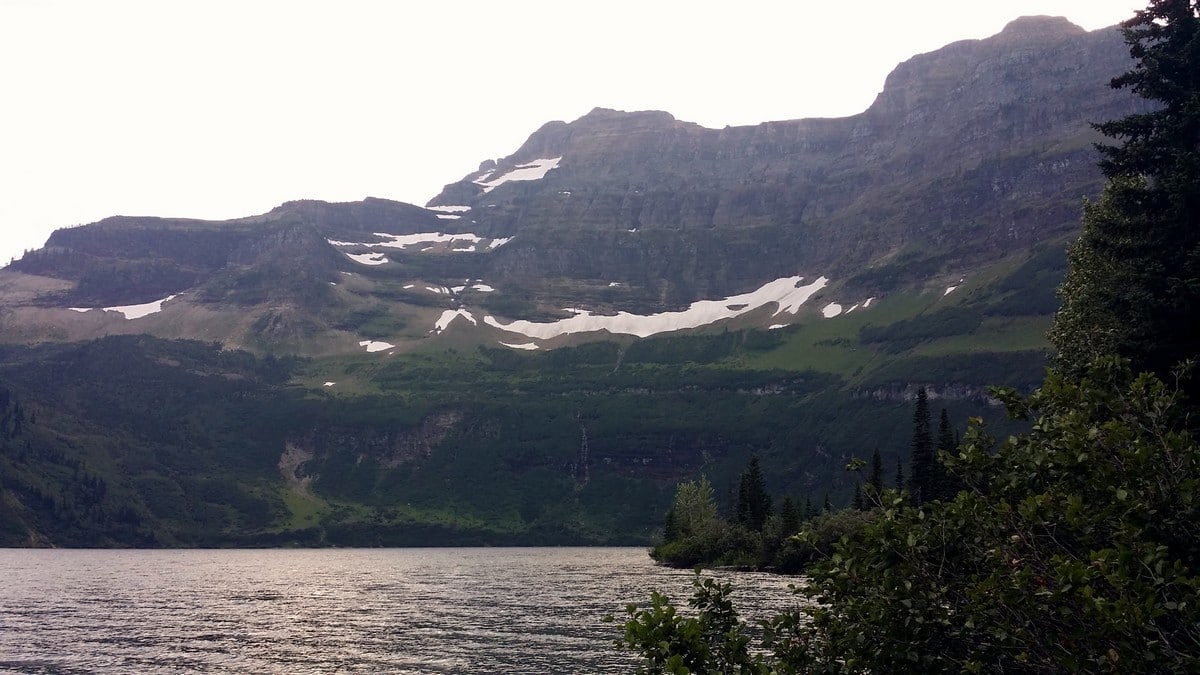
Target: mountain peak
<point>1027,28</point>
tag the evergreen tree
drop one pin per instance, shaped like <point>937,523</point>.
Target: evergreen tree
<point>789,517</point>
<point>1133,286</point>
<point>857,502</point>
<point>753,500</point>
<point>924,467</point>
<point>947,446</point>
<point>875,478</point>
<point>900,473</point>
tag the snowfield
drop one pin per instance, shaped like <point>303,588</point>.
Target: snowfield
<point>421,240</point>
<point>523,345</point>
<point>375,346</point>
<point>130,311</point>
<point>787,293</point>
<point>450,315</point>
<point>535,170</point>
<point>368,258</point>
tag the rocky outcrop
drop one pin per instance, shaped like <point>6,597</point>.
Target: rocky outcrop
<point>971,151</point>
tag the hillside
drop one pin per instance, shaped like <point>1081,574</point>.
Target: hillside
<point>546,348</point>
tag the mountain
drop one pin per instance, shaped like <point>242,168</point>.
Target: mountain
<point>543,350</point>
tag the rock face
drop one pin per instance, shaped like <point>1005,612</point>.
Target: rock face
<point>970,151</point>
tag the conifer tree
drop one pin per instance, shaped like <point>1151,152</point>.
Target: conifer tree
<point>875,478</point>
<point>753,500</point>
<point>924,467</point>
<point>789,517</point>
<point>1133,286</point>
<point>947,444</point>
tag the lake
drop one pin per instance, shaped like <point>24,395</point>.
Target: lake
<point>466,610</point>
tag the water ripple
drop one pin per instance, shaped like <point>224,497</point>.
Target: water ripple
<point>319,611</point>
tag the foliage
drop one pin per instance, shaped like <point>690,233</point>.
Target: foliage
<point>1074,548</point>
<point>922,478</point>
<point>1133,287</point>
<point>694,533</point>
<point>713,641</point>
<point>753,500</point>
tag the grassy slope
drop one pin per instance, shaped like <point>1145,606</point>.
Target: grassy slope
<point>451,442</point>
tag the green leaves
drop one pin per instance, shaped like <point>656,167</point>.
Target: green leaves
<point>1075,548</point>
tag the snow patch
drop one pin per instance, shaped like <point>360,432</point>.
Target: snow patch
<point>375,346</point>
<point>452,208</point>
<point>613,284</point>
<point>329,384</point>
<point>787,294</point>
<point>483,288</point>
<point>421,240</point>
<point>449,216</point>
<point>776,326</point>
<point>368,258</point>
<point>523,345</point>
<point>867,302</point>
<point>497,243</point>
<point>408,286</point>
<point>852,308</point>
<point>535,170</point>
<point>130,311</point>
<point>831,310</point>
<point>450,315</point>
<point>949,290</point>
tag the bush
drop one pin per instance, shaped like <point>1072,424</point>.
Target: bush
<point>1074,548</point>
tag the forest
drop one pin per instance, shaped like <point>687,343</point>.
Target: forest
<point>1073,546</point>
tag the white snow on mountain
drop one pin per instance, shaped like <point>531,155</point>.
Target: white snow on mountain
<point>535,170</point>
<point>423,240</point>
<point>375,346</point>
<point>368,258</point>
<point>130,311</point>
<point>787,294</point>
<point>523,345</point>
<point>450,315</point>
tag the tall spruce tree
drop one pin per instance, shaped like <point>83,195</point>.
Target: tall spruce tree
<point>1133,286</point>
<point>753,500</point>
<point>922,482</point>
<point>875,478</point>
<point>947,444</point>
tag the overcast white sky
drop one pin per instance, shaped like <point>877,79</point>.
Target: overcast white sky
<point>221,109</point>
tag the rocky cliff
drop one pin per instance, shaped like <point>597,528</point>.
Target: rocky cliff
<point>969,151</point>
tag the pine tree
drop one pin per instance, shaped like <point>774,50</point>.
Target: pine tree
<point>924,467</point>
<point>789,517</point>
<point>753,500</point>
<point>946,486</point>
<point>875,478</point>
<point>1133,285</point>
<point>900,473</point>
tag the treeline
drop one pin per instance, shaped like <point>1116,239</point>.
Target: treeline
<point>757,535</point>
<point>1074,546</point>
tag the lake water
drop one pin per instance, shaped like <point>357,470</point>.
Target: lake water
<point>473,610</point>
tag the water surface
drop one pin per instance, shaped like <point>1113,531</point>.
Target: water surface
<point>468,610</point>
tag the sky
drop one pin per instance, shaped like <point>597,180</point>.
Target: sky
<point>222,109</point>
